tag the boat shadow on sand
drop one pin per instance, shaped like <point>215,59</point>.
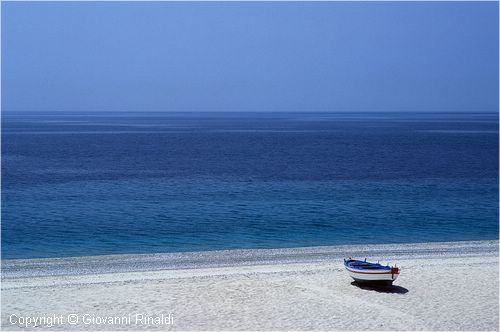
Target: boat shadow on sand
<point>381,289</point>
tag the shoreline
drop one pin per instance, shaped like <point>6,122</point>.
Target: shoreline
<point>442,286</point>
<point>83,265</point>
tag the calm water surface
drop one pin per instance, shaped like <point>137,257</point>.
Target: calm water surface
<point>89,184</point>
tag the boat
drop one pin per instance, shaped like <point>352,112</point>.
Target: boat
<point>364,272</point>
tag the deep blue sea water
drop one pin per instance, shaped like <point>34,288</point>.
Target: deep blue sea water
<point>103,183</point>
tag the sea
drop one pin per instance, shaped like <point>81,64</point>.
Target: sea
<point>97,183</point>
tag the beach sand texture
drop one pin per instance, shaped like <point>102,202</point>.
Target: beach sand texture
<point>442,286</point>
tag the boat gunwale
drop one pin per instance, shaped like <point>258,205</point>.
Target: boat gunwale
<point>365,272</point>
<point>366,266</point>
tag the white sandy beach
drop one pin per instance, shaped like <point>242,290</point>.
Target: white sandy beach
<point>442,286</point>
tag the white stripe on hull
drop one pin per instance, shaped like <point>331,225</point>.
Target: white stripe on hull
<point>372,276</point>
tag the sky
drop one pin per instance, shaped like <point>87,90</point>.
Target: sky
<point>250,56</point>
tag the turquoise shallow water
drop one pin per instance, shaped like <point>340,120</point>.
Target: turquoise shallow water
<point>90,184</point>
